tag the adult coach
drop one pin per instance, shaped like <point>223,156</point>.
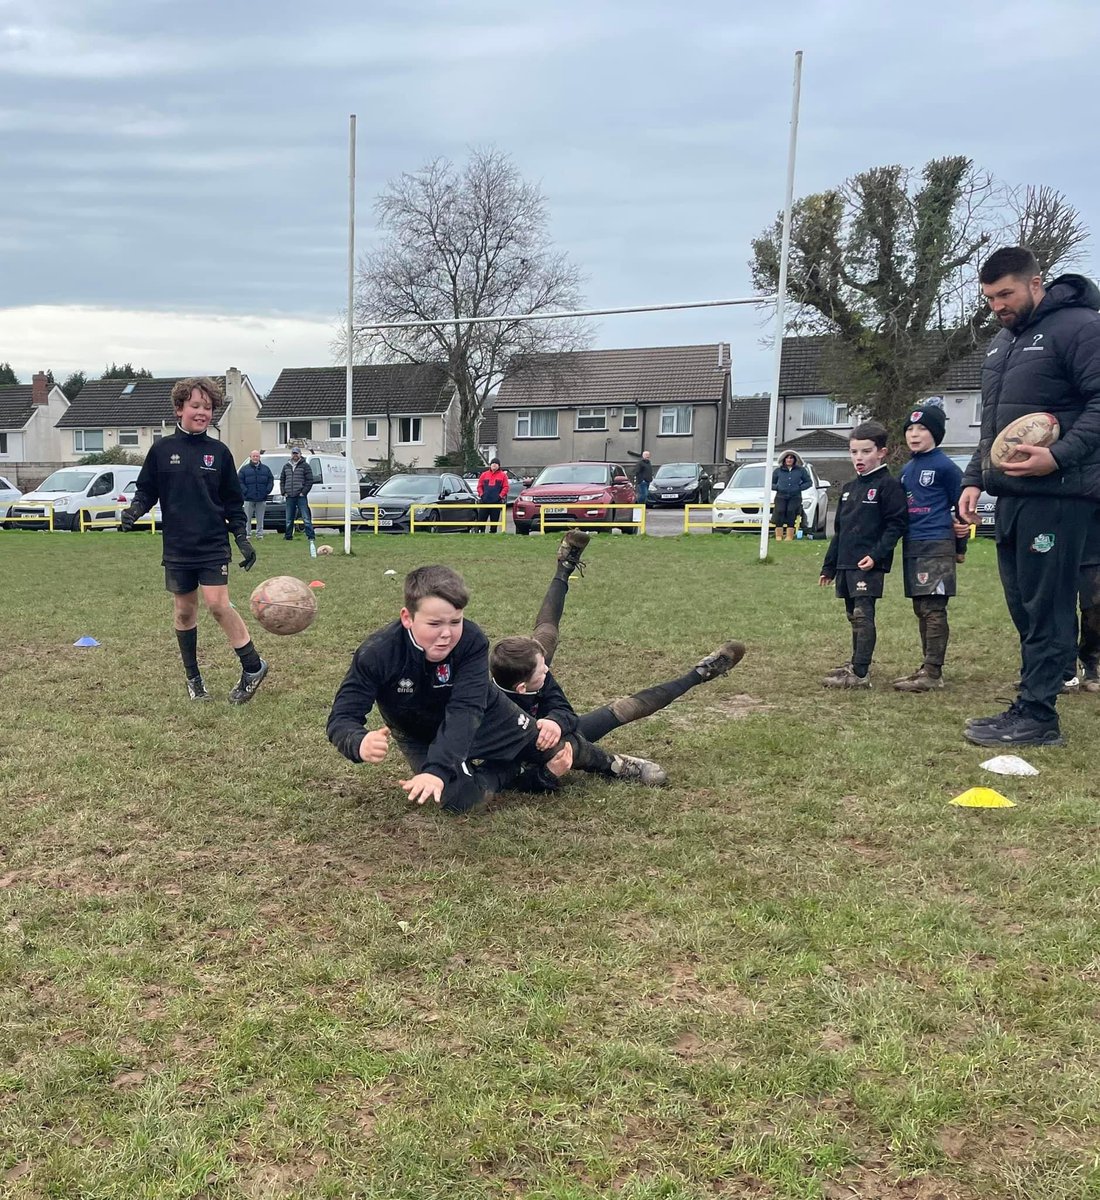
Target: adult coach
<point>643,477</point>
<point>1046,358</point>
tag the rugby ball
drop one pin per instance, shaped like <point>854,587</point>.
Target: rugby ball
<point>1033,429</point>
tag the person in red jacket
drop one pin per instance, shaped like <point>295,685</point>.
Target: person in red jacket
<point>492,487</point>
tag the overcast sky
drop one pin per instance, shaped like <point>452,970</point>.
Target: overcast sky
<point>175,175</point>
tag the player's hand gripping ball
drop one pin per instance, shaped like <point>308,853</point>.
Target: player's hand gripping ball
<point>284,605</point>
<point>324,549</point>
<point>1032,429</point>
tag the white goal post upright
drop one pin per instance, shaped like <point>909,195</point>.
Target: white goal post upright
<point>780,312</point>
<point>779,300</point>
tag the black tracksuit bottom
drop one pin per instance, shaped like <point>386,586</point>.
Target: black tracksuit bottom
<point>788,508</point>
<point>1040,545</point>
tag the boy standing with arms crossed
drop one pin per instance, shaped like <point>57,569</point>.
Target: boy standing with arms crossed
<point>932,484</point>
<point>870,519</point>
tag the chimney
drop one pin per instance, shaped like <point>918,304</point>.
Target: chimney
<point>40,391</point>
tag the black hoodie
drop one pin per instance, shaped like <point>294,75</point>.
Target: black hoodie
<point>1050,365</point>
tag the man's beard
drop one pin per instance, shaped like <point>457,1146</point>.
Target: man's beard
<point>1022,316</point>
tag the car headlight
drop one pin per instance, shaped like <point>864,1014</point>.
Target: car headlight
<point>588,499</point>
<point>524,498</point>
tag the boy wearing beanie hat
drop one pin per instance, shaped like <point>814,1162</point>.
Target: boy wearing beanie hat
<point>932,485</point>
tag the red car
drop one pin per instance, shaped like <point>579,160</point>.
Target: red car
<point>561,490</point>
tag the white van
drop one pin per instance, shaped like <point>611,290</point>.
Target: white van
<point>74,492</point>
<point>326,497</point>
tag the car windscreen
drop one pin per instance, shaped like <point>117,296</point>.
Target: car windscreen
<point>573,473</point>
<point>67,481</point>
<point>411,487</point>
<point>670,472</point>
<point>751,476</point>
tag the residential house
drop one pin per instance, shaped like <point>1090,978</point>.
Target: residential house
<point>610,405</point>
<point>30,445</point>
<point>132,414</point>
<point>404,411</point>
<point>816,425</point>
<point>487,430</point>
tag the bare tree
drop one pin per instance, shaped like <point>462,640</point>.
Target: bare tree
<point>466,242</point>
<point>887,264</point>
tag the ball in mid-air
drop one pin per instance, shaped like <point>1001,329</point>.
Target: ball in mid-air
<point>324,549</point>
<point>284,605</point>
<point>1032,429</point>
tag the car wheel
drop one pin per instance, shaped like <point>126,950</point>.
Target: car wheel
<point>523,528</point>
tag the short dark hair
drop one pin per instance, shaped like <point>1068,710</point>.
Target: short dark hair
<point>513,660</point>
<point>182,390</point>
<point>494,460</point>
<point>869,431</point>
<point>438,581</point>
<point>1009,260</point>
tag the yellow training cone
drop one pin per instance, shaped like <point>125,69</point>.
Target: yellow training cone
<point>981,797</point>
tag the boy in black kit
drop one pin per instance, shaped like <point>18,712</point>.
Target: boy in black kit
<point>521,667</point>
<point>428,675</point>
<point>932,484</point>
<point>194,478</point>
<point>869,520</point>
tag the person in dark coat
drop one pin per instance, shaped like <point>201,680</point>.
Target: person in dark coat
<point>789,480</point>
<point>643,477</point>
<point>296,481</point>
<point>257,483</point>
<point>1046,358</point>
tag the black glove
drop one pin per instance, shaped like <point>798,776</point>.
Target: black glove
<point>248,554</point>
<point>126,520</point>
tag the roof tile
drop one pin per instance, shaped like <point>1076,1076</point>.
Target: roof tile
<point>377,389</point>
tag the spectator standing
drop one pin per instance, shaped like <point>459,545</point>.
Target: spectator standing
<point>643,477</point>
<point>296,481</point>
<point>257,483</point>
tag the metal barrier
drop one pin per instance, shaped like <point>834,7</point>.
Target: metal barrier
<point>689,524</point>
<point>87,509</point>
<point>439,523</point>
<point>636,524</point>
<point>33,518</point>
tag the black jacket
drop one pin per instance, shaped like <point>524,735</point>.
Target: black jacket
<point>257,482</point>
<point>644,473</point>
<point>296,480</point>
<point>441,705</point>
<point>1051,365</point>
<point>793,480</point>
<point>549,701</point>
<point>871,517</point>
<point>195,479</point>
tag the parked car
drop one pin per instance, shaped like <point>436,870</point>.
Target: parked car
<point>152,515</point>
<point>8,493</point>
<point>600,486</point>
<point>677,484</point>
<point>987,504</point>
<point>445,497</point>
<point>739,503</point>
<point>76,494</point>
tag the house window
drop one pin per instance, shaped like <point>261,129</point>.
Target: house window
<point>822,410</point>
<point>295,431</point>
<point>337,430</point>
<point>630,419</point>
<point>591,419</point>
<point>977,418</point>
<point>676,419</point>
<point>537,422</point>
<point>3,443</point>
<point>410,430</point>
<point>128,437</point>
<point>87,441</point>
<point>372,429</point>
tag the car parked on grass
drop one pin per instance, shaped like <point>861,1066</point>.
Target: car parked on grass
<point>738,505</point>
<point>8,493</point>
<point>585,494</point>
<point>444,498</point>
<point>676,484</point>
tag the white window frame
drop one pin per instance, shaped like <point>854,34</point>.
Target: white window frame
<point>976,415</point>
<point>340,426</point>
<point>416,426</point>
<point>367,425</point>
<point>839,413</point>
<point>526,416</point>
<point>4,444</point>
<point>130,438</point>
<point>629,422</point>
<point>286,434</point>
<point>596,415</point>
<point>670,420</point>
<point>80,441</point>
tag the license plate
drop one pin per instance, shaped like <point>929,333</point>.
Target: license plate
<point>990,520</point>
<point>668,495</point>
<point>555,510</point>
<point>387,521</point>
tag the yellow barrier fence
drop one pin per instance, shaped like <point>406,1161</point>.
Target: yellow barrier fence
<point>690,524</point>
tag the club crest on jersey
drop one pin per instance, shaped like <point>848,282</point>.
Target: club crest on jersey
<point>443,673</point>
<point>872,493</point>
<point>922,577</point>
<point>208,460</point>
<point>927,478</point>
<point>1043,543</point>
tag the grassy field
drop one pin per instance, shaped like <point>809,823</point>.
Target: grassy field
<point>235,965</point>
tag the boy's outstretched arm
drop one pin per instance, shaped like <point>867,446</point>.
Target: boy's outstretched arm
<point>347,721</point>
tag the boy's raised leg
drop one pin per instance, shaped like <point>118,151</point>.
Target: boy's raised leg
<point>548,620</point>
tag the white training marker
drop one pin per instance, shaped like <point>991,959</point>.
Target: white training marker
<point>1009,764</point>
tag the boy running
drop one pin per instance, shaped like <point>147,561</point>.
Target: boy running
<point>194,478</point>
